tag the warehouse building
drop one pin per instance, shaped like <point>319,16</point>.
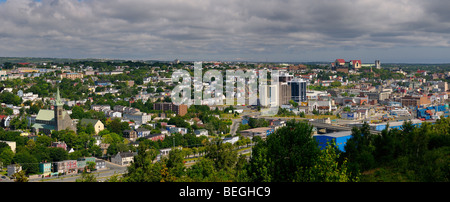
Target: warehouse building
<point>340,138</point>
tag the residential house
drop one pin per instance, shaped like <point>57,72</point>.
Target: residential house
<point>178,130</point>
<point>142,132</point>
<point>263,132</point>
<point>123,158</point>
<point>201,132</point>
<point>70,166</point>
<point>81,165</point>
<point>100,107</point>
<point>13,169</point>
<point>58,167</point>
<point>130,134</point>
<point>98,125</point>
<point>60,145</point>
<point>45,168</point>
<point>156,137</point>
<point>100,164</point>
<point>138,117</point>
<point>102,83</point>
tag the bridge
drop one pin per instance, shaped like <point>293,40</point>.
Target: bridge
<point>335,128</point>
<point>329,128</point>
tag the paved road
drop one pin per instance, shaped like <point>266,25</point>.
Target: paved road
<point>235,126</point>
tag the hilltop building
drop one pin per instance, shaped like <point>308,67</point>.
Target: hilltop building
<point>57,119</point>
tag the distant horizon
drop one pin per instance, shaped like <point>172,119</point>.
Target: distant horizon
<point>211,60</point>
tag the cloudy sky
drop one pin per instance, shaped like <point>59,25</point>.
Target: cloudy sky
<point>414,31</point>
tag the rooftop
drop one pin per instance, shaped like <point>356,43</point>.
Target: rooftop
<point>336,134</point>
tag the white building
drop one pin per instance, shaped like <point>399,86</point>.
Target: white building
<point>201,132</point>
<point>268,95</point>
<point>138,117</point>
<point>123,159</point>
<point>13,169</point>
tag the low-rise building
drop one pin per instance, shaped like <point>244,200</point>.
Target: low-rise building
<point>339,138</point>
<point>123,158</point>
<point>138,117</point>
<point>201,132</point>
<point>156,137</point>
<point>263,132</point>
<point>178,109</point>
<point>142,132</point>
<point>13,169</point>
<point>71,76</point>
<point>97,124</point>
<point>100,164</point>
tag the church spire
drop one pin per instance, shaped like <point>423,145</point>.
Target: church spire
<point>58,101</point>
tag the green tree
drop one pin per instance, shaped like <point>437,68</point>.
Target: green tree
<point>10,98</point>
<point>57,154</point>
<point>360,149</point>
<point>77,113</point>
<point>29,162</point>
<point>293,103</point>
<point>202,171</point>
<point>6,156</point>
<point>142,169</point>
<point>86,177</point>
<point>290,149</point>
<point>20,176</point>
<point>223,155</point>
<point>328,168</point>
<point>117,126</point>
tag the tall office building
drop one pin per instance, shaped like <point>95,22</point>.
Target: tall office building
<point>284,93</point>
<point>298,90</point>
<point>284,77</point>
<point>268,95</point>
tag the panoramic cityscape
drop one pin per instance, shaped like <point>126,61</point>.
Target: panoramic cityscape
<point>224,91</point>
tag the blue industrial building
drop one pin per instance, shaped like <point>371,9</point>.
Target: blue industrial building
<point>340,138</point>
<point>431,112</point>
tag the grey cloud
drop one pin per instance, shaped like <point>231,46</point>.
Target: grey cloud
<point>200,28</point>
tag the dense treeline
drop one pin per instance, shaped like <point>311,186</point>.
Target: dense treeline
<point>411,154</point>
<point>292,155</point>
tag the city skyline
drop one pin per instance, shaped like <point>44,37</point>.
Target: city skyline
<point>409,31</point>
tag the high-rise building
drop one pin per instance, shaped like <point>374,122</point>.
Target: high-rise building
<point>284,93</point>
<point>284,77</point>
<point>268,95</point>
<point>298,90</point>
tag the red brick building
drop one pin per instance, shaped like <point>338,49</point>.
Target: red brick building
<point>178,109</point>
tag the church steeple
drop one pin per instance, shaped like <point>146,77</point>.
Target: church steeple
<point>58,101</point>
<point>58,111</point>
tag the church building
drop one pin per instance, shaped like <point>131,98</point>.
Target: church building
<point>56,119</point>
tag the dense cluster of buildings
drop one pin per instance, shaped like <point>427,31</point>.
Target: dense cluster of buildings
<point>66,167</point>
